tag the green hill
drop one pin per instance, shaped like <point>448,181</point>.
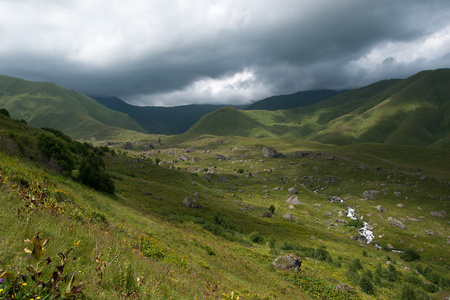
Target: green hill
<point>44,104</point>
<point>160,120</point>
<point>414,111</point>
<point>299,99</point>
<point>147,240</point>
<point>229,121</point>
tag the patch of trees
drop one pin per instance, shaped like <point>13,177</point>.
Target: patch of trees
<point>92,172</point>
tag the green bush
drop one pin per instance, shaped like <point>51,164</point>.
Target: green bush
<point>272,209</point>
<point>407,293</point>
<point>256,237</point>
<point>92,173</point>
<point>366,285</point>
<point>5,112</point>
<point>55,148</point>
<point>410,255</point>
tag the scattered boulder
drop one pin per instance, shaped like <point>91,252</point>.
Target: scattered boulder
<point>288,262</point>
<point>429,232</point>
<point>197,195</point>
<point>293,200</point>
<point>291,206</point>
<point>362,166</point>
<point>329,214</point>
<point>380,208</point>
<point>318,205</point>
<point>370,195</point>
<point>128,146</point>
<point>436,214</point>
<point>341,214</point>
<point>329,179</point>
<point>395,222</point>
<point>266,214</point>
<point>343,287</point>
<point>335,199</point>
<point>292,190</point>
<point>288,217</point>
<point>270,152</point>
<point>398,194</point>
<point>191,203</point>
<point>220,157</point>
<point>360,238</point>
<point>400,205</point>
<point>300,154</point>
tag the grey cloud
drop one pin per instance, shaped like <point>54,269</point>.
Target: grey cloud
<point>289,45</point>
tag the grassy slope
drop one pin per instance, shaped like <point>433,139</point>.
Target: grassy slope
<point>47,105</point>
<point>414,111</point>
<point>229,121</point>
<point>303,98</point>
<point>161,120</point>
<point>149,203</point>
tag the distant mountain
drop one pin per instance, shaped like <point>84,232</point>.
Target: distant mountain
<point>413,111</point>
<point>44,104</point>
<point>299,99</point>
<point>160,120</point>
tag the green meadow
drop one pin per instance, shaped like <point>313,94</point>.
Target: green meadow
<point>144,242</point>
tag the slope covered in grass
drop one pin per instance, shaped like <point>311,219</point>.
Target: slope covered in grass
<point>299,99</point>
<point>44,104</point>
<point>229,121</point>
<point>146,242</point>
<point>414,111</point>
<point>160,120</point>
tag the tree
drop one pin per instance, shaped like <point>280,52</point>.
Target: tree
<point>5,112</point>
<point>92,173</point>
<point>54,147</point>
<point>366,285</point>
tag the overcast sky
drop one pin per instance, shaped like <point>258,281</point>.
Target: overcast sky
<point>174,52</point>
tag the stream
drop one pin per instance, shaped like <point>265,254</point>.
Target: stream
<point>364,231</point>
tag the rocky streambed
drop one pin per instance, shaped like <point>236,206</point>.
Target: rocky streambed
<point>363,231</point>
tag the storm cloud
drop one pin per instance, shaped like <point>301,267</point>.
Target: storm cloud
<point>225,51</point>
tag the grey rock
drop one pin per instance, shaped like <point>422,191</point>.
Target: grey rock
<point>380,208</point>
<point>288,217</point>
<point>292,190</point>
<point>288,262</point>
<point>370,195</point>
<point>436,214</point>
<point>395,222</point>
<point>293,200</point>
<point>128,146</point>
<point>270,152</point>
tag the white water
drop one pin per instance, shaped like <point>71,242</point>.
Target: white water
<point>364,231</point>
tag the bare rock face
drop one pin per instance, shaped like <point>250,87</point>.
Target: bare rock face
<point>288,262</point>
<point>293,200</point>
<point>395,222</point>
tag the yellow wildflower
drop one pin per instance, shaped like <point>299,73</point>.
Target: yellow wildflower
<point>24,284</point>
<point>78,242</point>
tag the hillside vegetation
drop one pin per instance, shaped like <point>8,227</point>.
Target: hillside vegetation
<point>204,217</point>
<point>44,104</point>
<point>414,111</point>
<point>160,120</point>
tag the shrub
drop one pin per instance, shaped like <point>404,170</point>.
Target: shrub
<point>272,209</point>
<point>92,173</point>
<point>410,255</point>
<point>366,285</point>
<point>407,293</point>
<point>256,237</point>
<point>5,112</point>
<point>56,148</point>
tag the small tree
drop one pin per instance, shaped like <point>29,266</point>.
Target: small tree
<point>272,209</point>
<point>5,112</point>
<point>366,285</point>
<point>92,172</point>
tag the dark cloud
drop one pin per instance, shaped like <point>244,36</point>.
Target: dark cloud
<point>177,52</point>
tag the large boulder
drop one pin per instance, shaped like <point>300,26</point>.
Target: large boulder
<point>288,217</point>
<point>288,262</point>
<point>395,222</point>
<point>293,200</point>
<point>292,190</point>
<point>128,146</point>
<point>370,195</point>
<point>191,203</point>
<point>270,152</point>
